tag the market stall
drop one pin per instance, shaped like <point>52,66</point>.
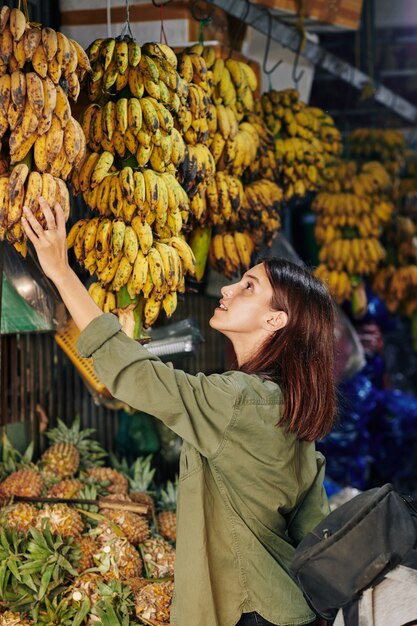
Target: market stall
<point>181,155</point>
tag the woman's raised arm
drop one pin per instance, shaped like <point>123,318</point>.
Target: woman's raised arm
<point>51,248</point>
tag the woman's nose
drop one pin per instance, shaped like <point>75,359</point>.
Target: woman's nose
<point>226,291</point>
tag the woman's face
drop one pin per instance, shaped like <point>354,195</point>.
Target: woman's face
<point>245,306</point>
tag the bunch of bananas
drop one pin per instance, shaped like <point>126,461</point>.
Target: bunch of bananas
<point>39,67</point>
<point>265,164</point>
<point>352,211</point>
<point>156,198</point>
<point>397,286</point>
<point>338,282</point>
<point>234,83</point>
<point>50,53</point>
<point>306,140</point>
<point>388,146</point>
<point>138,127</point>
<point>224,196</point>
<point>22,187</point>
<point>358,255</point>
<point>231,252</point>
<point>131,176</point>
<point>196,116</point>
<point>128,255</point>
<point>196,170</point>
<point>148,70</point>
<point>259,213</point>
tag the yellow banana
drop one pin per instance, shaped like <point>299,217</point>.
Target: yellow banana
<point>98,294</point>
<point>122,275</point>
<point>139,275</point>
<point>127,183</point>
<point>130,244</point>
<point>90,235</point>
<point>117,236</point>
<point>185,253</point>
<point>103,237</point>
<point>101,168</point>
<point>169,303</point>
<point>151,311</point>
<point>121,114</point>
<point>144,233</point>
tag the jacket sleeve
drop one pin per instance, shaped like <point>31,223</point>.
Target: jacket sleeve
<point>314,506</point>
<point>198,408</point>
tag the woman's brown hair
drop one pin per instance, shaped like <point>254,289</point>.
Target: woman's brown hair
<point>299,356</point>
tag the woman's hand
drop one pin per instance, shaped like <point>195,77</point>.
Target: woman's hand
<point>49,242</point>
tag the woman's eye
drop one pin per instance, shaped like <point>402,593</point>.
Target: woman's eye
<point>248,285</point>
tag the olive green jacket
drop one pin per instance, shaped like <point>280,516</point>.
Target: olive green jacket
<point>242,480</point>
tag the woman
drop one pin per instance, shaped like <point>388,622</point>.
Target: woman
<point>251,483</point>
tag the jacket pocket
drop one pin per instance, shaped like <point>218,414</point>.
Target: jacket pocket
<point>190,461</point>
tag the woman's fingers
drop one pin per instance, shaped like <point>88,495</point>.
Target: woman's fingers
<point>59,216</point>
<point>47,211</point>
<point>31,225</point>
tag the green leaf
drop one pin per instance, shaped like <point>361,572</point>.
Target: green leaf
<point>12,565</point>
<point>45,580</point>
<point>82,612</point>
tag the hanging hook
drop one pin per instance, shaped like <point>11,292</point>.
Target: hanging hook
<point>267,47</point>
<point>296,79</point>
<point>204,16</point>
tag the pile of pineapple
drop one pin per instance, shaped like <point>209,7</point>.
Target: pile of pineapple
<point>83,543</point>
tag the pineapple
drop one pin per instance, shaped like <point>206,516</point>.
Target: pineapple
<point>12,618</point>
<point>153,602</point>
<point>117,483</point>
<point>20,516</point>
<point>158,557</point>
<point>116,558</point>
<point>134,527</point>
<point>61,459</point>
<point>167,518</point>
<point>88,547</point>
<point>91,452</point>
<point>139,482</point>
<point>62,520</point>
<point>24,482</point>
<point>67,488</point>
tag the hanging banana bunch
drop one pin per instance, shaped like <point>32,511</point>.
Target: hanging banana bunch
<point>396,283</point>
<point>231,252</point>
<point>385,145</point>
<point>41,142</point>
<point>352,211</point>
<point>135,246</point>
<point>306,140</point>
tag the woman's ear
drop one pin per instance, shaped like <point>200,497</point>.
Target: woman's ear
<point>276,320</point>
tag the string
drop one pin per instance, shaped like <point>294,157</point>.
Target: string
<point>126,28</point>
<point>162,33</point>
<point>201,25</point>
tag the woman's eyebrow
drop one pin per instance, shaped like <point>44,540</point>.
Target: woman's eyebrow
<point>251,277</point>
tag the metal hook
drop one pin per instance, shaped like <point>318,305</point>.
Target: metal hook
<point>267,47</point>
<point>296,79</point>
<point>204,16</point>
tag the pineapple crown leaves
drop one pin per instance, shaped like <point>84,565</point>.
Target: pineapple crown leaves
<point>13,460</point>
<point>168,496</point>
<point>88,492</point>
<point>141,474</point>
<point>91,452</point>
<point>115,605</point>
<point>61,611</point>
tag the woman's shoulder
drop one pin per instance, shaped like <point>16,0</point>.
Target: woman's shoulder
<point>253,389</point>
